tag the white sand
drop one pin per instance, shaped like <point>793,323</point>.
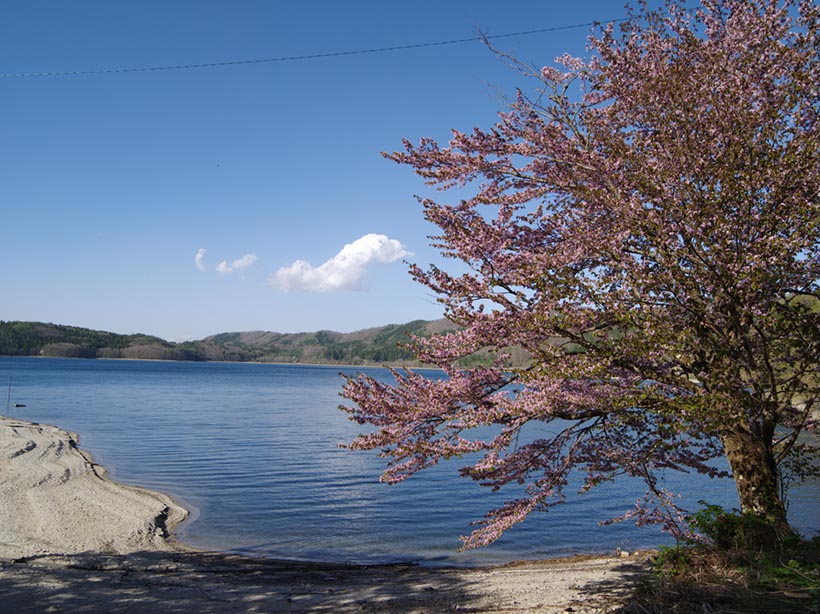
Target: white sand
<point>55,499</point>
<point>73,541</point>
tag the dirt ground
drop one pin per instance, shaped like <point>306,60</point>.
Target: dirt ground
<point>200,582</point>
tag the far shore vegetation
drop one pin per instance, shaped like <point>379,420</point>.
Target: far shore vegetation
<point>383,345</point>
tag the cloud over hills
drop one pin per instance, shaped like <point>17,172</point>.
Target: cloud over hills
<point>345,270</point>
<point>199,259</point>
<point>224,267</point>
<point>244,262</point>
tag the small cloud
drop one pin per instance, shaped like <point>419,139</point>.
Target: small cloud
<point>345,271</point>
<point>244,262</point>
<point>198,259</point>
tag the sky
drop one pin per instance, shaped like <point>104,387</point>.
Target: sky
<point>184,203</point>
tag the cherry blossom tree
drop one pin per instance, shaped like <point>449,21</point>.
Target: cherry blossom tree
<point>644,225</point>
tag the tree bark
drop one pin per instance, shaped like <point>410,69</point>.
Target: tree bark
<point>753,465</point>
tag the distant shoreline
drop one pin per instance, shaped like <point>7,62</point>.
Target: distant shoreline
<point>384,346</point>
<point>236,362</point>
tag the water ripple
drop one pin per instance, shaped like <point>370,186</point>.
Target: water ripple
<point>254,449</point>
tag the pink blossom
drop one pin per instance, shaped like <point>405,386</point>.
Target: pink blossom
<point>650,243</point>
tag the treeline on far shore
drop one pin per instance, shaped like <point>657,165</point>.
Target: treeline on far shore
<point>373,346</point>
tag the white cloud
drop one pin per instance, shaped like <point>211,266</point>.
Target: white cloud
<point>345,271</point>
<point>198,259</point>
<point>244,262</point>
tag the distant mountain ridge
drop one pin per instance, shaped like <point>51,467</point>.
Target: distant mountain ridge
<point>379,345</point>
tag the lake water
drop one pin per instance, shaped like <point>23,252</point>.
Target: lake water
<point>252,450</point>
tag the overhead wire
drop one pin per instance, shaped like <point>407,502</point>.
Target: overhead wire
<point>294,58</point>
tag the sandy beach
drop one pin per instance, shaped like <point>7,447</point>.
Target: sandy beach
<point>73,540</point>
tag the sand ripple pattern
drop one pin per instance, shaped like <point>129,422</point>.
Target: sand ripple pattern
<point>55,499</point>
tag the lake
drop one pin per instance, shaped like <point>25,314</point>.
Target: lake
<point>252,450</point>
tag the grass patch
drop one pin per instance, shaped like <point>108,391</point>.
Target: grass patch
<point>732,571</point>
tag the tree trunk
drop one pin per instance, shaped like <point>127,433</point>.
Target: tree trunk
<point>755,471</point>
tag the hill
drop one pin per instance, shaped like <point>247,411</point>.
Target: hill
<point>381,345</point>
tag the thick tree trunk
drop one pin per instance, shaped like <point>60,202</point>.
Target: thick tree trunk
<point>755,472</point>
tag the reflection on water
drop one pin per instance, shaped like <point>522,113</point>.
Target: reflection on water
<point>254,450</point>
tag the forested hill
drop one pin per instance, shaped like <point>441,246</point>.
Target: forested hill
<point>380,345</point>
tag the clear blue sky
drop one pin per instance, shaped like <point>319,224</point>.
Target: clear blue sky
<point>111,184</point>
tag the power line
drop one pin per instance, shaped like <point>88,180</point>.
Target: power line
<point>294,58</point>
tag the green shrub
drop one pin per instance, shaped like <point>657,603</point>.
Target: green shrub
<point>733,530</point>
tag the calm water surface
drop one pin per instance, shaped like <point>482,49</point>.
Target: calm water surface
<point>253,450</point>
